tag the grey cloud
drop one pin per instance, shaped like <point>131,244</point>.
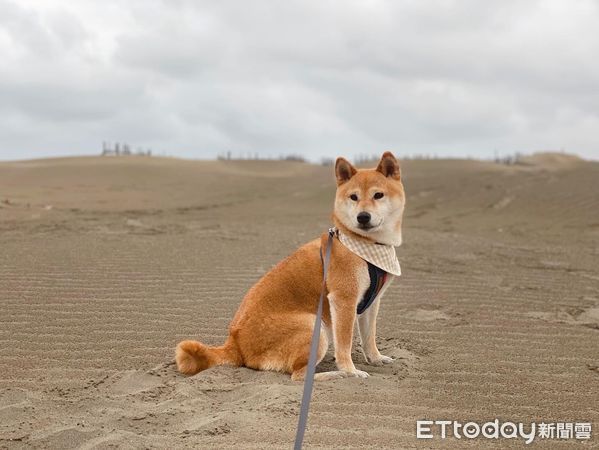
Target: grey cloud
<point>199,78</point>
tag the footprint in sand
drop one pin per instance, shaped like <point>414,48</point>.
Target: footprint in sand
<point>426,315</point>
<point>15,410</point>
<point>399,354</point>
<point>503,202</point>
<point>134,223</point>
<point>12,397</point>
<point>64,438</point>
<point>587,317</point>
<point>132,382</point>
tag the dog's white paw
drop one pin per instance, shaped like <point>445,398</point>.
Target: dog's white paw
<point>332,375</point>
<point>336,374</point>
<point>379,360</point>
<point>358,374</point>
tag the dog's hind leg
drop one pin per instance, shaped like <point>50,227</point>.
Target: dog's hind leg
<point>280,343</point>
<point>300,359</point>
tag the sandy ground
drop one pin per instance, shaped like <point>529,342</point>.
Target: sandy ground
<point>105,264</point>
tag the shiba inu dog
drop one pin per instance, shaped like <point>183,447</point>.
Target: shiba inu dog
<point>272,328</point>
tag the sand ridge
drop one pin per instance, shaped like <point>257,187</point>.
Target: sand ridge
<point>106,263</point>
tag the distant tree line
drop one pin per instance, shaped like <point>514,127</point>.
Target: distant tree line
<point>508,160</point>
<point>249,156</point>
<point>364,159</point>
<point>123,149</point>
<point>517,157</point>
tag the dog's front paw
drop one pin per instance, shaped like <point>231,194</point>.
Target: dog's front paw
<point>358,374</point>
<point>379,360</point>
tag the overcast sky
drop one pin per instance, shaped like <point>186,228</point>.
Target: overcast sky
<point>320,78</point>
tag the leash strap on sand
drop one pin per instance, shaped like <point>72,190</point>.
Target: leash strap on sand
<point>311,368</point>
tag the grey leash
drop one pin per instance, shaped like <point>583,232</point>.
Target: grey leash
<point>311,368</point>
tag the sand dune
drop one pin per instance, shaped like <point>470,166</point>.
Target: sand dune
<point>106,263</point>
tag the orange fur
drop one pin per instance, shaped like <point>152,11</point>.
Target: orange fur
<point>272,328</point>
<point>193,357</point>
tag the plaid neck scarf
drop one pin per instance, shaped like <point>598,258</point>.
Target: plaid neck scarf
<point>381,255</point>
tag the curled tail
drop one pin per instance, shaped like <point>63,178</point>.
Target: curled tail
<point>193,356</point>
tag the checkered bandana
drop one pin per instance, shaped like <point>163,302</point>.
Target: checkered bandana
<point>381,255</point>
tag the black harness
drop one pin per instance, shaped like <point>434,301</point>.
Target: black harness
<point>377,280</point>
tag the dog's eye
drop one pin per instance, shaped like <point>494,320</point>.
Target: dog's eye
<point>354,197</point>
<point>378,195</point>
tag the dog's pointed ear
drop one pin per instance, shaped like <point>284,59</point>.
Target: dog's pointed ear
<point>389,166</point>
<point>343,170</point>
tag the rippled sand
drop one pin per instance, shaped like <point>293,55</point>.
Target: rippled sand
<point>106,263</point>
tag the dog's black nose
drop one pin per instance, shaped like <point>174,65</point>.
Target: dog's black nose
<point>363,218</point>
